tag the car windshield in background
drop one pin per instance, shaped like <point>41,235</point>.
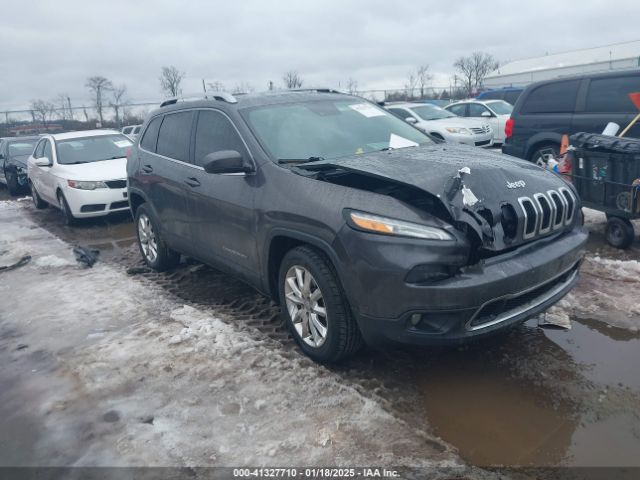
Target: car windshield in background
<point>329,129</point>
<point>21,149</point>
<point>500,107</point>
<point>92,149</point>
<point>431,112</point>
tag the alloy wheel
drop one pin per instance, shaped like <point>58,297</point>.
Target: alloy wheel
<point>305,305</point>
<point>147,237</point>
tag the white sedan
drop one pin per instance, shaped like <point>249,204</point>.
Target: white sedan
<point>495,112</point>
<point>82,173</point>
<point>442,124</point>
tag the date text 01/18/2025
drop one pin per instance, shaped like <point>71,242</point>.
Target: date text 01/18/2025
<point>316,472</point>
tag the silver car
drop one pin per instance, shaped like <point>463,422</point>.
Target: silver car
<point>442,124</point>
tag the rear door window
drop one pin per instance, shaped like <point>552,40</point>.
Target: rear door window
<point>459,110</point>
<point>175,135</point>
<point>611,95</point>
<point>400,113</point>
<point>557,97</point>
<point>150,138</point>
<point>476,110</point>
<point>214,133</point>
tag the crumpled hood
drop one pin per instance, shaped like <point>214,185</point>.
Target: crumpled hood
<point>470,182</point>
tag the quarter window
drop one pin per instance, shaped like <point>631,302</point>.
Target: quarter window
<point>557,97</point>
<point>612,94</point>
<point>214,133</point>
<point>47,150</point>
<point>174,136</point>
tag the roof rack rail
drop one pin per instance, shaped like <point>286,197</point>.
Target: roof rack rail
<point>318,89</point>
<point>221,96</point>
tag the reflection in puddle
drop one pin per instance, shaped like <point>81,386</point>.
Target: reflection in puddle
<point>506,403</point>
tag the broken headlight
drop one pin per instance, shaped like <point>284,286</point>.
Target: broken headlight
<point>85,185</point>
<point>388,226</point>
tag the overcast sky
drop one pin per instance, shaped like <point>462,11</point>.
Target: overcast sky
<point>51,47</point>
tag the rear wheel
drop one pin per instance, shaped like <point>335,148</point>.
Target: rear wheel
<point>154,250</point>
<point>543,153</point>
<point>619,232</point>
<point>69,219</point>
<point>317,311</point>
<point>12,184</point>
<point>37,201</point>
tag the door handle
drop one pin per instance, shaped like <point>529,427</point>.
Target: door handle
<point>192,182</point>
<point>147,168</point>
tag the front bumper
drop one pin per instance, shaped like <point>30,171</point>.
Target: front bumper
<point>96,203</point>
<point>484,140</point>
<point>502,291</point>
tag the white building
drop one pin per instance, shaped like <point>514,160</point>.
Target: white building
<point>620,56</point>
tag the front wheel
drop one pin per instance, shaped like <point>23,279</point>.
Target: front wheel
<point>37,201</point>
<point>619,232</point>
<point>69,219</point>
<point>317,311</point>
<point>154,250</point>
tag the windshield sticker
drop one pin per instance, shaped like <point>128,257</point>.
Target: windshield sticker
<point>123,143</point>
<point>396,141</point>
<point>367,110</point>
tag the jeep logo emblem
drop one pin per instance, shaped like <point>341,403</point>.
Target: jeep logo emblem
<point>517,184</point>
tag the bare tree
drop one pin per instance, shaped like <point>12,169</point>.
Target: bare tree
<point>42,111</point>
<point>242,87</point>
<point>474,68</point>
<point>291,79</point>
<point>170,80</point>
<point>410,86</point>
<point>61,106</point>
<point>98,86</point>
<point>215,86</point>
<point>118,94</point>
<point>352,86</point>
<point>423,78</point>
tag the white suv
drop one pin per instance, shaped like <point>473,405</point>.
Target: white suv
<point>442,124</point>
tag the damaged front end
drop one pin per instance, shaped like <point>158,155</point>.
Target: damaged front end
<point>496,202</point>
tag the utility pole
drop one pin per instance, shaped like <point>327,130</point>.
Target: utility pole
<point>70,110</point>
<point>204,88</point>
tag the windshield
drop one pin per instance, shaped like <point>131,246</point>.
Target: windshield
<point>329,129</point>
<point>500,107</point>
<point>431,112</point>
<point>91,149</point>
<point>22,148</point>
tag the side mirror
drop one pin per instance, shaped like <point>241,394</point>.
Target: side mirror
<point>486,114</point>
<point>226,161</point>
<point>411,120</point>
<point>42,162</point>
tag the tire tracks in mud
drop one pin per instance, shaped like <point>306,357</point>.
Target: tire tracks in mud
<point>375,375</point>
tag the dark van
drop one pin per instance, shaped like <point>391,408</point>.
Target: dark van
<point>508,94</point>
<point>547,110</point>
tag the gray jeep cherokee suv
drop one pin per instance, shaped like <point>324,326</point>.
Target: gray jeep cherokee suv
<point>358,224</point>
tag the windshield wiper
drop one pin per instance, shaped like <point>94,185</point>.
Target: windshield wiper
<point>299,160</point>
<point>74,163</point>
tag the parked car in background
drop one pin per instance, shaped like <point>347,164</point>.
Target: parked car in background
<point>495,112</point>
<point>81,173</point>
<point>547,110</point>
<point>444,125</point>
<point>508,94</point>
<point>14,152</point>
<point>131,131</point>
<point>358,224</point>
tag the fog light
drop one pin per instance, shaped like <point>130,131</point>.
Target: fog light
<point>415,319</point>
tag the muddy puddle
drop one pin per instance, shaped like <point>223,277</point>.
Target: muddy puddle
<point>541,398</point>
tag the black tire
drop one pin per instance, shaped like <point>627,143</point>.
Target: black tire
<point>343,337</point>
<point>538,154</point>
<point>12,184</point>
<point>165,258</point>
<point>37,201</point>
<point>619,232</point>
<point>69,219</point>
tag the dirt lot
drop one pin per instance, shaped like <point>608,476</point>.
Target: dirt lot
<point>117,365</point>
